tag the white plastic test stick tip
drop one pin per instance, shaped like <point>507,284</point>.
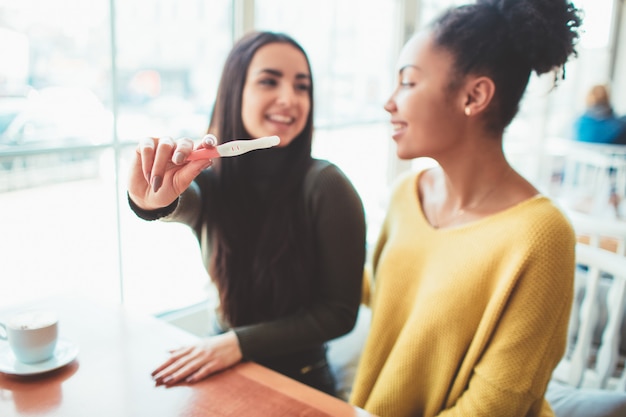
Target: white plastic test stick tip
<point>239,147</point>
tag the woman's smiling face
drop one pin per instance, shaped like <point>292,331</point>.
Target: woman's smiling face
<point>276,95</point>
<point>423,108</point>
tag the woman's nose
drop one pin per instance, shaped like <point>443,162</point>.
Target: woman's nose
<point>286,95</point>
<point>390,105</point>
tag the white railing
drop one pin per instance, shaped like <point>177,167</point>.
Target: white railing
<point>596,351</point>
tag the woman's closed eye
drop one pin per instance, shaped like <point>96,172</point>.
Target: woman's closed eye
<point>408,76</point>
<point>271,82</point>
<point>303,87</point>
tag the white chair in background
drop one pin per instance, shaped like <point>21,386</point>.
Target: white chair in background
<point>606,233</point>
<point>590,172</point>
<point>596,327</point>
<point>588,363</point>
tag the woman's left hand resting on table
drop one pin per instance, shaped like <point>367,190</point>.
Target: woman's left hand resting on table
<point>194,363</point>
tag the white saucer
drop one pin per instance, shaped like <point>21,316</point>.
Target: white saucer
<point>64,353</point>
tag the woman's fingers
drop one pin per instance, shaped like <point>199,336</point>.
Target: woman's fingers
<point>161,172</point>
<point>162,157</point>
<point>202,373</point>
<point>184,147</point>
<point>146,152</point>
<point>187,371</point>
<point>183,367</point>
<point>208,141</point>
<point>176,355</point>
<point>156,153</point>
<point>171,373</point>
<point>193,363</point>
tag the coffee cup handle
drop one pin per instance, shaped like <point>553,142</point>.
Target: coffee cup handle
<point>3,334</point>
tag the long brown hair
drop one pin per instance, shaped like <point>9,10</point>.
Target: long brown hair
<point>262,253</point>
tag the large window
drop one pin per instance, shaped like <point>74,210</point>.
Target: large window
<point>80,87</point>
<point>169,58</point>
<point>58,203</point>
<point>82,81</point>
<point>71,75</point>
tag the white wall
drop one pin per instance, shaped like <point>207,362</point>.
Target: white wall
<point>619,82</point>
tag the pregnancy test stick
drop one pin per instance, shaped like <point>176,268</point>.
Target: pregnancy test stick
<point>234,148</point>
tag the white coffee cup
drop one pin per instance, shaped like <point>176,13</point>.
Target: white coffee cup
<point>32,335</point>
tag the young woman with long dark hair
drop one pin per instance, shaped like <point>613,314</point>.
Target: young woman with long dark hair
<point>282,234</point>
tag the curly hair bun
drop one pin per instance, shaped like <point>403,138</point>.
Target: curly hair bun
<point>545,32</point>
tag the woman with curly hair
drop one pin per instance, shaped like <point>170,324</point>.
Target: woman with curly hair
<point>472,275</point>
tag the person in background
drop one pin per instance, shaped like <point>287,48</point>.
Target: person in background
<point>472,275</point>
<point>599,124</point>
<point>282,234</point>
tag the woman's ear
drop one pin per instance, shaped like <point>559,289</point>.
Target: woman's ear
<point>479,92</point>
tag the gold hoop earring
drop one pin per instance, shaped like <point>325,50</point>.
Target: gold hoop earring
<point>468,111</point>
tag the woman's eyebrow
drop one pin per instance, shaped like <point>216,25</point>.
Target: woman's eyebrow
<point>277,73</point>
<point>302,76</point>
<point>401,70</point>
<point>270,71</point>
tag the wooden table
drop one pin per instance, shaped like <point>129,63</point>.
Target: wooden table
<point>111,376</point>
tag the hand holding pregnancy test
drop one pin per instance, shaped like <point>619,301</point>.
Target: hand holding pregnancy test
<point>234,148</point>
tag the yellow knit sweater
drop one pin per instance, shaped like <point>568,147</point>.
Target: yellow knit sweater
<point>469,321</point>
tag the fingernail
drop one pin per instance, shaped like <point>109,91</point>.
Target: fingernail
<point>178,158</point>
<point>157,181</point>
<point>168,379</point>
<point>209,140</point>
<point>148,175</point>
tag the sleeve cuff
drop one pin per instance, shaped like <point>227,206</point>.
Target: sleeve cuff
<point>152,214</point>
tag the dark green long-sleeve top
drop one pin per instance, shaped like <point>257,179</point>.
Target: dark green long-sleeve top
<point>337,218</point>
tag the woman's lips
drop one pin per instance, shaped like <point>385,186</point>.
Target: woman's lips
<point>279,118</point>
<point>398,129</point>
